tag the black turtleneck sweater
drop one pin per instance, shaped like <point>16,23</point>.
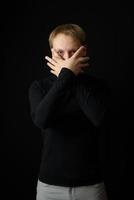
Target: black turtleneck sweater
<point>70,112</point>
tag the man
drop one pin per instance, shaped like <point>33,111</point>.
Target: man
<point>69,106</point>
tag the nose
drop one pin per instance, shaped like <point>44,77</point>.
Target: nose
<point>67,55</point>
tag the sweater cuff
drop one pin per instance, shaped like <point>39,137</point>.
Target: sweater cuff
<point>66,74</point>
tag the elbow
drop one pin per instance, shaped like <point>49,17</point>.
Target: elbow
<point>41,124</point>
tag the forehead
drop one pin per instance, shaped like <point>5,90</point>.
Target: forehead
<point>62,41</point>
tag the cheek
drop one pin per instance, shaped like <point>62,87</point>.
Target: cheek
<point>71,54</point>
<point>53,54</point>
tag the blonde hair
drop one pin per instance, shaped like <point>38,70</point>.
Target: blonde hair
<point>73,30</point>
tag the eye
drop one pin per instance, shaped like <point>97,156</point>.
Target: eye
<point>72,52</point>
<point>60,52</point>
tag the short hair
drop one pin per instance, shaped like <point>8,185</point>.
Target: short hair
<point>73,30</point>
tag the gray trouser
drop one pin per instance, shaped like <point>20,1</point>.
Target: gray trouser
<point>53,192</point>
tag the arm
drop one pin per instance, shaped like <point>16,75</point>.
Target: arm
<point>93,99</point>
<point>44,108</point>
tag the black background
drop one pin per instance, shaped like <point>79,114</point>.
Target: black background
<point>25,42</point>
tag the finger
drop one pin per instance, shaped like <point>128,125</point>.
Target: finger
<point>84,65</point>
<point>53,72</point>
<point>84,59</point>
<point>56,58</point>
<point>52,61</point>
<point>79,52</point>
<point>51,66</point>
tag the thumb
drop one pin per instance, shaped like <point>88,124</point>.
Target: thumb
<point>80,52</point>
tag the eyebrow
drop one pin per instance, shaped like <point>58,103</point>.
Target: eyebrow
<point>63,50</point>
<point>59,50</point>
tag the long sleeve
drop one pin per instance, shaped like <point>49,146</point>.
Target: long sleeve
<point>44,107</point>
<point>66,108</point>
<point>93,99</point>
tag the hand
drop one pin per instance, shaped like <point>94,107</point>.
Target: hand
<point>76,63</point>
